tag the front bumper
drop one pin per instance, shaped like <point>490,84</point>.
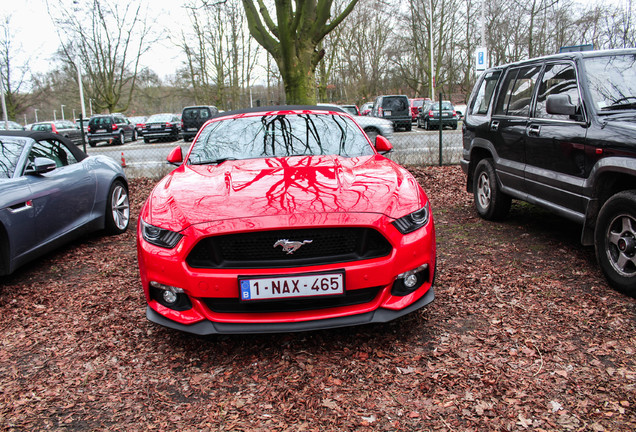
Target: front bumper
<point>203,286</point>
<point>209,327</point>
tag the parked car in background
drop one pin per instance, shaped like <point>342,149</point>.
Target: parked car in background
<point>351,109</point>
<point>366,108</point>
<point>65,128</point>
<point>164,126</point>
<point>559,132</point>
<point>110,128</point>
<point>284,219</point>
<point>10,125</point>
<point>139,122</point>
<point>395,108</point>
<point>84,122</point>
<point>416,106</point>
<point>372,126</point>
<point>460,110</point>
<point>193,117</point>
<point>51,192</point>
<point>430,117</point>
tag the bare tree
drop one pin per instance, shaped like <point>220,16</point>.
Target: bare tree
<point>14,76</point>
<point>293,39</point>
<point>107,39</point>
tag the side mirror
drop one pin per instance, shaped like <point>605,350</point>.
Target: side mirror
<point>175,157</point>
<point>560,104</point>
<point>382,145</point>
<point>40,165</point>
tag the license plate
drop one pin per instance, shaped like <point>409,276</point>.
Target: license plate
<point>100,131</point>
<point>155,127</point>
<point>446,115</point>
<point>387,113</point>
<point>286,287</point>
<point>192,129</point>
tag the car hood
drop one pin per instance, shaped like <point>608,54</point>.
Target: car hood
<point>194,194</point>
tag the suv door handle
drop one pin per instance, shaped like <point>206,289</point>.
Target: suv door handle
<point>494,126</point>
<point>534,130</point>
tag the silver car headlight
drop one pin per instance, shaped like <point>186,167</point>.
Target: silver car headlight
<point>159,236</point>
<point>413,221</point>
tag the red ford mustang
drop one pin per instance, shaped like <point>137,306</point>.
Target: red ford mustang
<point>284,219</point>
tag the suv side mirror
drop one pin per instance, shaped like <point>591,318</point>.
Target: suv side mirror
<point>560,104</point>
<point>382,145</point>
<point>175,157</point>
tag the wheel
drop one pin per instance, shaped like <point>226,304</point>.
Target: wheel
<point>454,126</point>
<point>427,125</point>
<point>117,208</point>
<point>615,241</point>
<point>134,135</point>
<point>409,127</point>
<point>419,123</point>
<point>92,144</point>
<point>122,137</point>
<point>146,140</point>
<point>491,203</point>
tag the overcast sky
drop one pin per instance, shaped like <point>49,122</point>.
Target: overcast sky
<point>35,33</point>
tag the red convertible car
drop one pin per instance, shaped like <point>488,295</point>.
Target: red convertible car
<point>284,219</point>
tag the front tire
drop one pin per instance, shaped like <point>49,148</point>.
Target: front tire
<point>122,138</point>
<point>134,135</point>
<point>615,241</point>
<point>117,208</point>
<point>491,203</point>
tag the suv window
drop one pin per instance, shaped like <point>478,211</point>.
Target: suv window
<point>101,121</point>
<point>516,91</point>
<point>557,79</point>
<point>617,70</point>
<point>397,103</point>
<point>483,98</point>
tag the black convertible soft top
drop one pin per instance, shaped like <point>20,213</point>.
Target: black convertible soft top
<point>42,136</point>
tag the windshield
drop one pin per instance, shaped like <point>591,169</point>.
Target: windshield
<point>159,118</point>
<point>279,136</point>
<point>612,81</point>
<point>446,106</point>
<point>10,149</point>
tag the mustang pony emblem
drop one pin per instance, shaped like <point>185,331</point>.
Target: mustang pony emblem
<point>291,246</point>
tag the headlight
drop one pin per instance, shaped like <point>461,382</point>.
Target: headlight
<point>414,221</point>
<point>159,236</point>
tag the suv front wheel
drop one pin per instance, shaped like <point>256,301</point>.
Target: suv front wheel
<point>491,203</point>
<point>615,241</point>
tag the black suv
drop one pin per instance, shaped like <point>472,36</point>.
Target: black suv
<point>395,108</point>
<point>560,132</point>
<point>193,117</point>
<point>110,128</point>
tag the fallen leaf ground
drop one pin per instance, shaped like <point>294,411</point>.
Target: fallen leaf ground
<point>524,334</point>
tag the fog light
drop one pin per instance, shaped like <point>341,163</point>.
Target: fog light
<point>407,282</point>
<point>410,281</point>
<point>169,297</point>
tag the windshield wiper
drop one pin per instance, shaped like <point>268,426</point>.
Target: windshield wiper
<point>622,103</point>
<point>214,161</point>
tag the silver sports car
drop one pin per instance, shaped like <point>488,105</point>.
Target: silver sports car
<point>51,192</point>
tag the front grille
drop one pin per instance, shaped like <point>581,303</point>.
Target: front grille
<point>234,305</point>
<point>256,249</point>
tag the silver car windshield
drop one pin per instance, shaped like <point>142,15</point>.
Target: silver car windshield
<point>279,136</point>
<point>612,82</point>
<point>10,150</point>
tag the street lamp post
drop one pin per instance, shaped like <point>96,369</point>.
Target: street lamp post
<point>63,112</point>
<point>54,115</point>
<point>36,114</point>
